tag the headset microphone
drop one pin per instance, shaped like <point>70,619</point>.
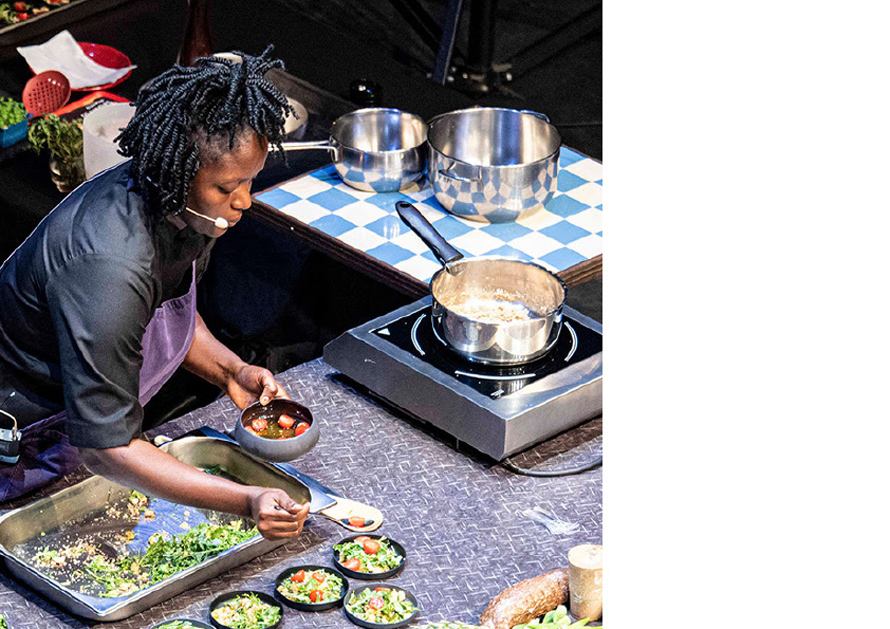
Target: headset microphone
<point>219,223</point>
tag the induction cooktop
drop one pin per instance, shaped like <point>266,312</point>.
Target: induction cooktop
<point>496,410</point>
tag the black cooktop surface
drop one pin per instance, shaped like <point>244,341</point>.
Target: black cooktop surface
<point>414,334</point>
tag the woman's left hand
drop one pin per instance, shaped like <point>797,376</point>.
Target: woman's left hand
<point>251,383</point>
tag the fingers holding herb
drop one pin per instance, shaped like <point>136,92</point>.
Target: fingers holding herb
<point>277,515</point>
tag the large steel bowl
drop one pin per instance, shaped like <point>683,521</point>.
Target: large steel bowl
<point>492,164</point>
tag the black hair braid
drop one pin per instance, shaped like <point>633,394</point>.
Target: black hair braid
<point>185,111</point>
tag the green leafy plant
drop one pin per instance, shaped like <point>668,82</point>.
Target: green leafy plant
<point>11,112</point>
<point>64,140</point>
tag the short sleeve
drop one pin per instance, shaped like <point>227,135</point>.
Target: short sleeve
<point>100,307</point>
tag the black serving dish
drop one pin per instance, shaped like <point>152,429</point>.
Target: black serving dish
<point>311,607</point>
<point>374,625</point>
<point>219,600</point>
<point>195,623</point>
<point>371,576</point>
<point>277,450</point>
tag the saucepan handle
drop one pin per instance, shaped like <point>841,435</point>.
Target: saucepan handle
<point>308,146</point>
<point>412,217</point>
<point>448,174</point>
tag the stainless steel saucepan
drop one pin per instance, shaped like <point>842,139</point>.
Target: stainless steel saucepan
<point>375,150</point>
<point>493,164</point>
<point>491,310</point>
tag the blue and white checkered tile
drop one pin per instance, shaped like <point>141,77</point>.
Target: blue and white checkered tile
<point>568,231</point>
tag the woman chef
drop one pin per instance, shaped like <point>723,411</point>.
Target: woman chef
<point>97,306</point>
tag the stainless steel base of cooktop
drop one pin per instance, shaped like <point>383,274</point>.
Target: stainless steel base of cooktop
<point>497,411</point>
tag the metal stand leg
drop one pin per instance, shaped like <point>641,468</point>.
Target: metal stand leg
<point>446,46</point>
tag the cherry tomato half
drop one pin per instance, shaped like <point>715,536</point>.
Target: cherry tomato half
<point>353,564</point>
<point>315,595</point>
<point>376,602</point>
<point>259,424</point>
<point>286,421</point>
<point>301,428</point>
<point>23,16</point>
<point>299,576</point>
<point>20,6</point>
<point>357,522</point>
<point>380,589</point>
<point>361,539</point>
<point>371,546</point>
<point>318,576</point>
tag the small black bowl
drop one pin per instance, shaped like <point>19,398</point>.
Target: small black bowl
<point>311,607</point>
<point>371,576</point>
<point>195,623</point>
<point>393,625</point>
<point>219,600</point>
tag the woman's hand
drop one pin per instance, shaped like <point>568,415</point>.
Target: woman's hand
<point>276,515</point>
<point>251,383</point>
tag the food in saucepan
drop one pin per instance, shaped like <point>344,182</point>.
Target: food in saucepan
<point>283,426</point>
<point>314,586</point>
<point>490,309</point>
<point>380,605</point>
<point>247,611</point>
<point>364,554</point>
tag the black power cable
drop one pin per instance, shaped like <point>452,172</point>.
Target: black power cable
<point>510,465</point>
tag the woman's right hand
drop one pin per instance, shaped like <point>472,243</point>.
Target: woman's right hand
<point>276,515</point>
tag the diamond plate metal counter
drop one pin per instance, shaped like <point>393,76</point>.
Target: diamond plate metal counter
<point>458,515</point>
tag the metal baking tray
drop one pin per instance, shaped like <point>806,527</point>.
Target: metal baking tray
<point>83,509</point>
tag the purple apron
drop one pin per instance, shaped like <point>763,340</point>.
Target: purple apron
<point>45,453</point>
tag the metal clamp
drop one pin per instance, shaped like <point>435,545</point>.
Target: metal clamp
<point>10,438</point>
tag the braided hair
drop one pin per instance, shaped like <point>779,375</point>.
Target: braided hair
<point>190,114</point>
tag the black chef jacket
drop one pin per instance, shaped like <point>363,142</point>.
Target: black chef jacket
<point>76,297</point>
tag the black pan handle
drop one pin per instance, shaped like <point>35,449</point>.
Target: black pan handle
<point>412,217</point>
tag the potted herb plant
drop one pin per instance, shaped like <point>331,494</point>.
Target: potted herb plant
<point>13,122</point>
<point>64,140</point>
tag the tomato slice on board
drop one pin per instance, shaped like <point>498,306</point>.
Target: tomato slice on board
<point>286,421</point>
<point>259,424</point>
<point>357,522</point>
<point>371,546</point>
<point>353,564</point>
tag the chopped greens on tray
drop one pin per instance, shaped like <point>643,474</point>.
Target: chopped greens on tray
<point>364,554</point>
<point>380,605</point>
<point>311,587</point>
<point>247,611</point>
<point>122,573</point>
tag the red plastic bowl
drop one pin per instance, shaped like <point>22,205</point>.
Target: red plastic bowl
<point>108,57</point>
